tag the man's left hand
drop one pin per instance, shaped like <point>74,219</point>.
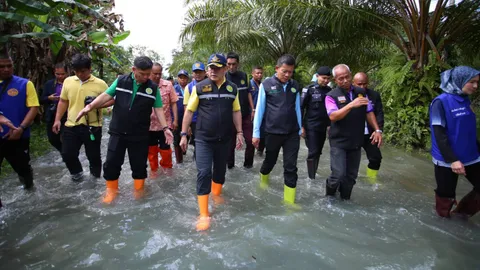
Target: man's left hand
<point>376,138</point>
<point>239,141</point>
<point>14,135</point>
<point>252,115</point>
<point>5,121</point>
<point>83,112</point>
<point>168,136</point>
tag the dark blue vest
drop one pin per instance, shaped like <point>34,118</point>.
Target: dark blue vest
<point>132,119</point>
<point>13,103</point>
<point>215,111</point>
<point>180,109</point>
<point>461,128</point>
<point>347,133</point>
<point>280,111</point>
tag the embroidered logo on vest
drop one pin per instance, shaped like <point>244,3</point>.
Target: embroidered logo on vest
<point>149,91</point>
<point>294,90</point>
<point>207,88</point>
<point>229,88</point>
<point>12,92</point>
<point>242,81</point>
<point>342,99</point>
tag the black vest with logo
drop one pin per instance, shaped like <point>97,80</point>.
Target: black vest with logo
<point>132,118</point>
<point>313,103</point>
<point>348,132</point>
<point>215,110</point>
<point>240,79</point>
<point>280,115</point>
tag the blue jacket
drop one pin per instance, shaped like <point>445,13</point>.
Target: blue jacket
<point>461,128</point>
<point>180,109</point>
<point>13,103</point>
<point>190,88</point>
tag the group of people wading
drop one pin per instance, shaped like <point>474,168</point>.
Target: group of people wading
<point>219,111</point>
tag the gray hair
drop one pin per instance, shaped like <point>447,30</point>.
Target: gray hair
<point>338,66</point>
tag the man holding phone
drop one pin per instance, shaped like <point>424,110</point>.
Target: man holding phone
<point>49,100</point>
<point>348,108</point>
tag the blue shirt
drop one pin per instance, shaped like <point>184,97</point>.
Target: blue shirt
<point>254,91</point>
<point>260,110</point>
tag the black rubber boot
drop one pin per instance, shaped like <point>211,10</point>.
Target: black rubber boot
<point>178,154</point>
<point>444,205</point>
<point>468,205</point>
<point>316,164</point>
<point>27,181</point>
<point>345,192</point>
<point>329,190</point>
<point>311,168</point>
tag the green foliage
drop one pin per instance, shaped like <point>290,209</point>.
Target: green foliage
<point>406,95</point>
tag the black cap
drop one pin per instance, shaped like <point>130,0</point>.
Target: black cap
<point>324,71</point>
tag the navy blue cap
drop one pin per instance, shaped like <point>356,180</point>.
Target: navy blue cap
<point>182,72</point>
<point>198,66</point>
<point>324,71</point>
<point>217,60</point>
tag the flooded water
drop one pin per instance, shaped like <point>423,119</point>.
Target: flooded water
<point>391,225</point>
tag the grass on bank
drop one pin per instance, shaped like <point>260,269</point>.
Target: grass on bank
<point>39,145</point>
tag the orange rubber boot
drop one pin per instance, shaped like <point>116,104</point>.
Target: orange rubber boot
<point>217,192</point>
<point>111,191</point>
<point>139,185</point>
<point>166,161</point>
<point>203,222</point>
<point>153,157</point>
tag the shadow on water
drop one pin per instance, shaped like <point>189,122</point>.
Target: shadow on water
<point>390,225</point>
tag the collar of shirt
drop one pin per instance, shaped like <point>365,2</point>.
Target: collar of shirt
<point>90,79</point>
<point>135,81</point>
<point>223,81</point>
<point>283,84</point>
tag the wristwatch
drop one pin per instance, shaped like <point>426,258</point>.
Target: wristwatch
<point>379,131</point>
<point>183,134</point>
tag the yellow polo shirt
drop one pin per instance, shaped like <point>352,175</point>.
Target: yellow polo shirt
<point>74,91</point>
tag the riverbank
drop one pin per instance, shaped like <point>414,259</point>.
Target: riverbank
<point>39,145</point>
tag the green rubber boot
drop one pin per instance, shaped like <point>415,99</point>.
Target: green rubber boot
<point>264,179</point>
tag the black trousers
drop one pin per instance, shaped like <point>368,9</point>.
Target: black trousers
<point>193,127</point>
<point>137,147</point>
<point>17,154</point>
<point>157,138</point>
<point>374,155</point>
<point>247,128</point>
<point>344,165</point>
<point>447,180</point>
<point>208,155</point>
<point>55,139</point>
<point>176,133</point>
<point>290,144</point>
<point>315,140</point>
<point>73,139</point>
<point>261,145</point>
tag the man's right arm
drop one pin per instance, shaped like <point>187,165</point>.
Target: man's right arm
<point>259,112</point>
<point>336,114</point>
<point>45,93</point>
<point>63,103</point>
